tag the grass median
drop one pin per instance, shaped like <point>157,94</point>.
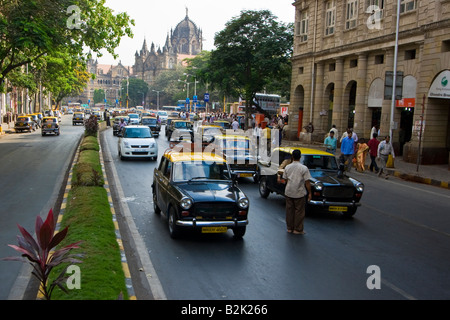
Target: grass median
<point>89,218</point>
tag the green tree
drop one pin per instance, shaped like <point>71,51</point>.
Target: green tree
<point>30,30</point>
<point>99,96</point>
<point>250,51</point>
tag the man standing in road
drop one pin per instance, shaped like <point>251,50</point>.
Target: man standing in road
<point>297,187</point>
<point>330,143</point>
<point>384,150</point>
<point>348,149</point>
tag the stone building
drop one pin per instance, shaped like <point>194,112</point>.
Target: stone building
<point>185,41</point>
<point>343,63</point>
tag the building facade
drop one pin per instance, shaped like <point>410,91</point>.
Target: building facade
<point>343,65</point>
<point>185,41</point>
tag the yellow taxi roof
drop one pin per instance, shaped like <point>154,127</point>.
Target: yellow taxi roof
<point>50,118</point>
<point>232,137</point>
<point>180,156</point>
<point>303,150</point>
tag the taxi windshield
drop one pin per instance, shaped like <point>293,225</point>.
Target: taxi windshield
<point>200,170</point>
<point>149,121</point>
<point>235,144</point>
<point>181,125</point>
<point>319,162</point>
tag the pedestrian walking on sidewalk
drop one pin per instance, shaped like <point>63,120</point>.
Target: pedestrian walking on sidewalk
<point>373,152</point>
<point>297,192</point>
<point>347,150</point>
<point>384,150</point>
<point>330,143</point>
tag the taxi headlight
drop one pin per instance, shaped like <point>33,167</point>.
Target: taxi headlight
<point>318,186</point>
<point>360,188</point>
<point>186,203</point>
<point>243,203</point>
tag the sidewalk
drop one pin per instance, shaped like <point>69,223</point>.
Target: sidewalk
<point>436,175</point>
<point>6,129</point>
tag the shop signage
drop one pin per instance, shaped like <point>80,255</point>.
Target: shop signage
<point>440,88</point>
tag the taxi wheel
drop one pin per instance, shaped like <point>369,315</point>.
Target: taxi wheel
<point>350,213</point>
<point>263,191</point>
<point>156,209</point>
<point>174,230</point>
<point>239,232</point>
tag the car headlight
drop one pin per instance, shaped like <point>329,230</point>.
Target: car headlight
<point>243,203</point>
<point>360,188</point>
<point>186,203</point>
<point>126,144</point>
<point>318,186</point>
<point>152,145</point>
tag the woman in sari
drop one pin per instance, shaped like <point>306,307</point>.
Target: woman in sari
<point>361,152</point>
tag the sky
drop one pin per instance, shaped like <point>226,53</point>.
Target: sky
<point>154,19</point>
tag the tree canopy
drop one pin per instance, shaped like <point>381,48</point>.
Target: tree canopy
<point>252,51</point>
<point>30,30</point>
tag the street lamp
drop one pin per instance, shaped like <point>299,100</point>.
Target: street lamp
<point>157,98</point>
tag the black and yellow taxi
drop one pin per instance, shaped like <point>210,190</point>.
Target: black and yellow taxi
<point>78,118</point>
<point>332,190</point>
<point>178,124</point>
<point>238,152</point>
<point>195,190</point>
<point>24,123</point>
<point>225,124</point>
<point>50,125</point>
<point>153,123</point>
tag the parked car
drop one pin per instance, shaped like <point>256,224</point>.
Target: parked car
<point>78,117</point>
<point>178,124</point>
<point>153,124</point>
<point>169,120</point>
<point>116,123</point>
<point>137,142</point>
<point>134,119</point>
<point>24,123</point>
<point>237,151</point>
<point>50,125</point>
<point>196,191</point>
<point>332,190</point>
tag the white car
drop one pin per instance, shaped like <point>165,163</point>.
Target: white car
<point>137,142</point>
<point>134,118</point>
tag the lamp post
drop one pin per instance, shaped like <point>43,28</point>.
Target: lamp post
<point>157,99</point>
<point>394,84</point>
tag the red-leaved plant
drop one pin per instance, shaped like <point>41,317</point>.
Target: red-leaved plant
<point>40,255</point>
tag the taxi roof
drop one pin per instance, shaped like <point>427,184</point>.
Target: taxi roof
<point>231,136</point>
<point>303,150</point>
<point>194,155</point>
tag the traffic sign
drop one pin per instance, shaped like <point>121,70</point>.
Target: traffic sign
<point>187,101</point>
<point>195,98</point>
<point>206,98</point>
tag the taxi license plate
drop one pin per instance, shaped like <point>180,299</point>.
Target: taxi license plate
<point>335,208</point>
<point>245,175</point>
<point>214,229</point>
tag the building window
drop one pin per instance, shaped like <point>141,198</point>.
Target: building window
<point>379,59</point>
<point>445,46</point>
<point>353,63</point>
<point>332,67</point>
<point>351,14</point>
<point>410,54</point>
<point>330,17</point>
<point>300,70</point>
<point>377,7</point>
<point>302,26</point>
<point>407,5</point>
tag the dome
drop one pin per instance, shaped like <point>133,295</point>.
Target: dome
<point>187,38</point>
